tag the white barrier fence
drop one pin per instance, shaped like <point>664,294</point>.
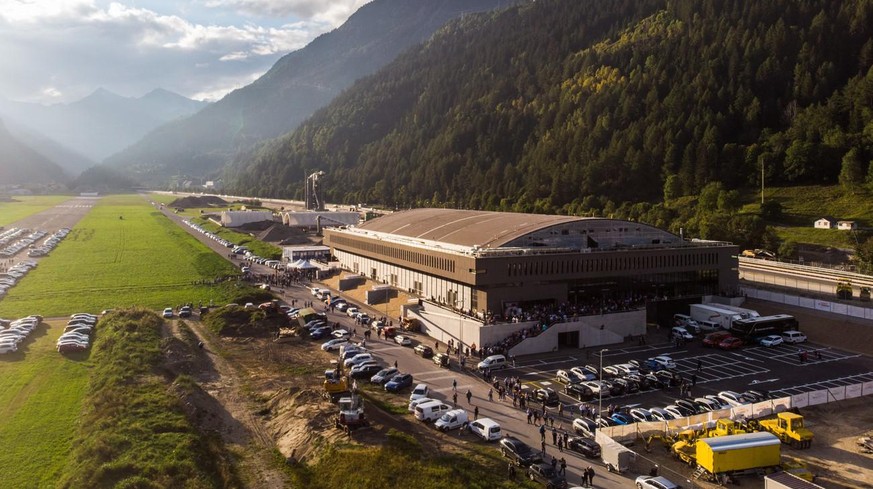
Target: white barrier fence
<point>809,303</point>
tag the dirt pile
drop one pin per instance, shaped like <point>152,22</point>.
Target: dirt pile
<point>193,202</point>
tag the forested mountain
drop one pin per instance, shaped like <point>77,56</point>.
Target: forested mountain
<point>297,85</point>
<point>21,165</point>
<point>576,105</point>
<point>101,123</point>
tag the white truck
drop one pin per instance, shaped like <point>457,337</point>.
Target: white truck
<point>709,314</point>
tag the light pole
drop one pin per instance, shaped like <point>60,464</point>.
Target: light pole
<point>460,327</point>
<point>600,391</point>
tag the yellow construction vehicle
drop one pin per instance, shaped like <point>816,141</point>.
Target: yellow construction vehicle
<point>335,385</point>
<point>844,290</point>
<point>789,428</point>
<point>725,427</point>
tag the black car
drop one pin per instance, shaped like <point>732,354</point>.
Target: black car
<point>627,385</point>
<point>185,312</point>
<point>641,366</point>
<point>605,422</point>
<point>548,395</point>
<point>612,388</point>
<point>442,360</point>
<point>585,446</point>
<point>423,350</point>
<point>579,391</point>
<point>669,377</point>
<point>367,372</point>
<point>546,475</point>
<point>519,452</point>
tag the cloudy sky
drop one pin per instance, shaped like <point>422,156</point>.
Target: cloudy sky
<point>62,50</point>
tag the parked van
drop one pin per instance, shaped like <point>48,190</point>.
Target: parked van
<point>709,326</point>
<point>686,322</point>
<point>793,337</point>
<point>486,428</point>
<point>492,362</point>
<point>451,420</point>
<point>584,427</point>
<point>431,411</point>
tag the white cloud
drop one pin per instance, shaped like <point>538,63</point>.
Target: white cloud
<point>63,50</point>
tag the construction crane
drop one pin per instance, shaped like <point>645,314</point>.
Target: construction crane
<point>311,199</point>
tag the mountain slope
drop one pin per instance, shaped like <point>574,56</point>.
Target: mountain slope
<point>71,162</point>
<point>569,105</point>
<point>101,123</point>
<point>297,85</point>
<point>21,165</point>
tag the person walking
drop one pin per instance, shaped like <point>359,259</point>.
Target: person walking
<point>454,385</point>
<point>469,397</point>
<point>395,363</point>
<point>590,476</point>
<point>490,395</point>
<point>543,432</point>
<point>699,364</point>
<point>554,437</point>
<point>693,380</point>
<point>563,467</point>
<point>476,413</point>
<point>455,399</point>
<point>544,445</point>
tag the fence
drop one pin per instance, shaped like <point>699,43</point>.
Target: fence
<point>809,303</point>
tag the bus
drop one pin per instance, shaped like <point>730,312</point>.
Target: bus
<point>752,328</point>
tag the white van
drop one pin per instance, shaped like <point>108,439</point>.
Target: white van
<point>431,411</point>
<point>486,428</point>
<point>451,420</point>
<point>793,337</point>
<point>709,326</point>
<point>492,362</point>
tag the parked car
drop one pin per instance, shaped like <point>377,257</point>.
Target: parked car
<point>486,428</point>
<point>399,382</point>
<point>585,427</point>
<point>442,360</point>
<point>659,414</point>
<point>548,395</point>
<point>168,312</point>
<point>731,343</point>
<point>579,391</point>
<point>569,377</point>
<point>421,390</point>
<point>586,446</point>
<point>678,332</point>
<point>594,386</point>
<point>365,370</point>
<point>662,362</point>
<point>451,420</point>
<point>423,350</point>
<point>544,473</point>
<point>352,311</point>
<point>651,482</point>
<point>713,339</point>
<point>334,344</point>
<point>793,337</point>
<point>622,418</point>
<point>383,375</point>
<point>519,452</point>
<point>585,372</point>
<point>641,415</point>
<point>732,398</point>
<point>185,312</point>
<point>416,402</point>
<point>357,359</point>
<point>402,340</point>
<point>770,340</point>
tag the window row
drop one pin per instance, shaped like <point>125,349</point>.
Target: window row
<point>424,259</point>
<point>610,264</point>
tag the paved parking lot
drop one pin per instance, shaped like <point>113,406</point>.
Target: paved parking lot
<point>779,369</point>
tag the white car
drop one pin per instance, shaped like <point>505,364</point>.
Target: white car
<point>734,399</point>
<point>421,390</point>
<point>568,377</point>
<point>680,332</point>
<point>352,311</point>
<point>341,334</point>
<point>359,358</point>
<point>486,428</point>
<point>793,337</point>
<point>333,344</point>
<point>594,385</point>
<point>650,482</point>
<point>168,312</point>
<point>402,340</point>
<point>664,361</point>
<point>342,306</point>
<point>7,347</point>
<point>772,340</point>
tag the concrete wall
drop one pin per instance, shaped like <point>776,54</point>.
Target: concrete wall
<point>443,324</point>
<point>350,282</point>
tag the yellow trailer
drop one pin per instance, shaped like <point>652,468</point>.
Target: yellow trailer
<point>738,452</point>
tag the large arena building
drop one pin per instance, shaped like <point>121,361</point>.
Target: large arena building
<point>495,267</point>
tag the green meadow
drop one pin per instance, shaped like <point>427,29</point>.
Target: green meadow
<point>41,396</point>
<point>124,252</point>
<point>26,205</point>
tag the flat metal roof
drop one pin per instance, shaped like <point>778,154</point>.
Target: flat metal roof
<point>748,440</point>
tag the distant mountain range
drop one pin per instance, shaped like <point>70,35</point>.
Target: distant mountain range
<point>20,164</point>
<point>77,134</point>
<point>296,86</point>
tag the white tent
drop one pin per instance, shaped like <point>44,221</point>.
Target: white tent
<point>305,265</point>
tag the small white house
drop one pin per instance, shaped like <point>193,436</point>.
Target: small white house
<point>826,223</point>
<point>846,225</point>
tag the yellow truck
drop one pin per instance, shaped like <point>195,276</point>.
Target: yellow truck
<point>734,453</point>
<point>789,428</point>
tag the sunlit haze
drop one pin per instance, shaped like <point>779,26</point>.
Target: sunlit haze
<point>61,51</point>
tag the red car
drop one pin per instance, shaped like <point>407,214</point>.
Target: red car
<point>713,339</point>
<point>730,343</point>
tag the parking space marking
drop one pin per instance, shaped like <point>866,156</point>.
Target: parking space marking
<point>433,375</point>
<point>716,367</point>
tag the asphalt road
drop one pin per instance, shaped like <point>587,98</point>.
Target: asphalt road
<point>63,215</point>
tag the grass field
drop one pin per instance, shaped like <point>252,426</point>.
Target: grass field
<point>26,205</point>
<point>106,262</point>
<point>40,400</point>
